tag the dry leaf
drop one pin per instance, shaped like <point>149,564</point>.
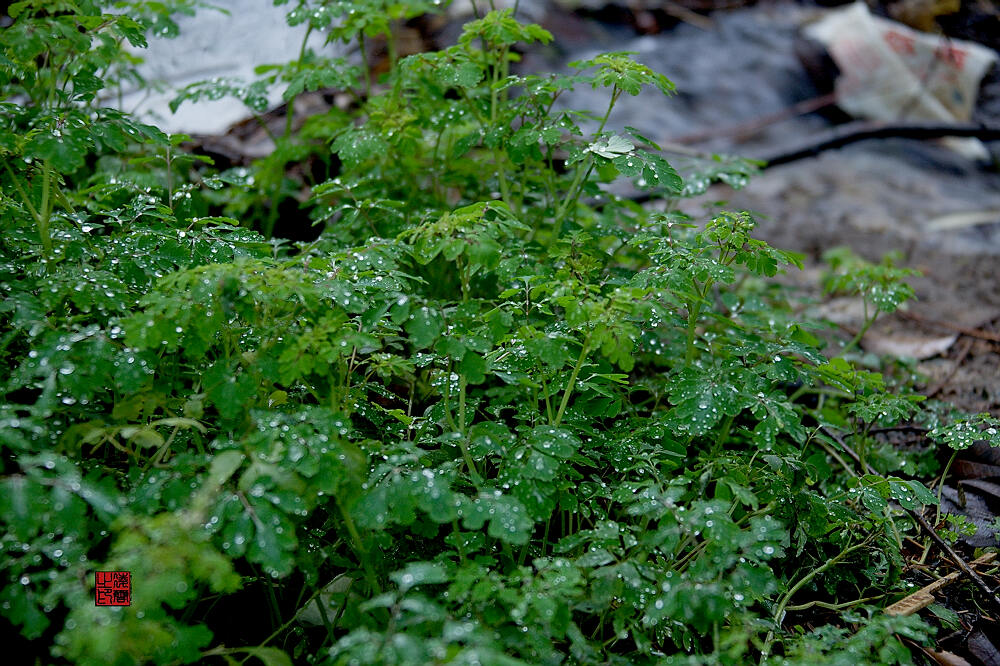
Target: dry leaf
<point>907,344</point>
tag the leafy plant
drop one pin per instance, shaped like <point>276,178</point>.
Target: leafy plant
<point>493,414</point>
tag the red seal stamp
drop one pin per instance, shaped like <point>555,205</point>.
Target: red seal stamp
<point>114,588</point>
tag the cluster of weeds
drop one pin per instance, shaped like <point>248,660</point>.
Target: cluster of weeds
<point>494,414</point>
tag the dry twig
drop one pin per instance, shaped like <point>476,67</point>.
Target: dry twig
<point>920,520</point>
<point>973,331</point>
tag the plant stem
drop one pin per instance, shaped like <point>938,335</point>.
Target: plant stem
<point>779,613</point>
<point>694,310</point>
<point>447,397</point>
<point>364,66</point>
<point>834,607</point>
<point>460,426</point>
<point>461,404</point>
<point>497,152</point>
<point>548,402</point>
<point>944,475</point>
<point>41,220</point>
<point>615,94</point>
<point>170,179</point>
<point>584,352</point>
<point>861,334</point>
<point>570,199</point>
<point>359,545</point>
<point>573,194</point>
<point>290,106</point>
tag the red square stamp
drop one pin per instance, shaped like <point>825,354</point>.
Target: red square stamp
<point>114,588</point>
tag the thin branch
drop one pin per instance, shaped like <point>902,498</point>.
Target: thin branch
<point>971,331</point>
<point>931,532</point>
<point>862,131</point>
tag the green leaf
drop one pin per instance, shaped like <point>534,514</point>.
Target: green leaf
<point>274,540</point>
<point>507,517</point>
<point>702,397</point>
<point>651,171</point>
<point>228,392</point>
<point>473,367</point>
<point>420,573</point>
<point>332,73</point>
<point>424,326</point>
<point>965,432</point>
<point>611,147</point>
<point>910,493</point>
<point>224,465</point>
<point>270,656</point>
<point>620,71</point>
<point>65,150</point>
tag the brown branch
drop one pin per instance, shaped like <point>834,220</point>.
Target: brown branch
<point>682,13</point>
<point>973,332</point>
<point>862,131</point>
<point>924,597</point>
<point>837,138</point>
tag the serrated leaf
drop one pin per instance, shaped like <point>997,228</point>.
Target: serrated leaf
<point>965,432</point>
<point>224,465</point>
<point>611,147</point>
<point>595,557</point>
<point>473,367</point>
<point>506,515</point>
<point>424,326</point>
<point>702,397</point>
<point>651,171</point>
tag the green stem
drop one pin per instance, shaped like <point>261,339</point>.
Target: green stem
<point>576,187</point>
<point>390,45</point>
<point>548,402</point>
<point>447,398</point>
<point>570,199</point>
<point>834,607</point>
<point>615,94</point>
<point>477,479</point>
<point>694,310</point>
<point>170,179</point>
<point>779,613</point>
<point>727,426</point>
<point>944,475</point>
<point>362,550</point>
<point>41,219</point>
<point>460,426</point>
<point>584,351</point>
<point>864,329</point>
<point>272,215</point>
<point>462,383</point>
<point>497,153</point>
<point>284,626</point>
<point>465,275</point>
<point>46,206</point>
<point>290,107</point>
<point>364,66</point>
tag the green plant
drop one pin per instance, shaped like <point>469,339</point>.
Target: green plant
<point>881,286</point>
<point>492,414</point>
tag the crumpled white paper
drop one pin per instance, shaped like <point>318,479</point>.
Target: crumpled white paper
<point>890,72</point>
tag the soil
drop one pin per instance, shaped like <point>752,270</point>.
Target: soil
<point>876,202</point>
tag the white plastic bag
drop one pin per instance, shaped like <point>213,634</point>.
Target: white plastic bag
<point>890,72</point>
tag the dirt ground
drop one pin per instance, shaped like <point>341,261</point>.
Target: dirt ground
<point>878,202</point>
